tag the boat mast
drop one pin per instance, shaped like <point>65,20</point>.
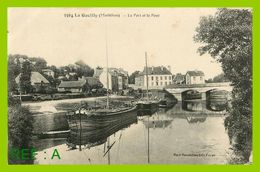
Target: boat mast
<point>148,149</point>
<point>107,71</point>
<point>146,73</point>
<point>108,139</point>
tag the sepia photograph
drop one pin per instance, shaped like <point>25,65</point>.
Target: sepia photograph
<point>130,86</point>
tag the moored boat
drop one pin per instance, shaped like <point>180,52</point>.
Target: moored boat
<point>95,127</point>
<point>147,103</point>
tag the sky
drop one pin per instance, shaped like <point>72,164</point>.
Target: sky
<point>63,36</point>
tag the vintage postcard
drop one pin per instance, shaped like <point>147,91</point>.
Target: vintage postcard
<point>130,86</point>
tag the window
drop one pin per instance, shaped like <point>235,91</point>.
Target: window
<point>170,83</point>
<point>201,78</point>
<point>170,78</point>
<point>152,78</point>
<point>152,83</point>
<point>157,83</point>
<point>165,77</point>
<point>161,77</point>
<point>165,83</point>
<point>194,78</point>
<point>156,77</point>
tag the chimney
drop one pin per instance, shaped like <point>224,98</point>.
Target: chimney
<point>169,68</point>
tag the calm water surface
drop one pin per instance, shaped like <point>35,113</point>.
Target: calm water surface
<point>189,134</point>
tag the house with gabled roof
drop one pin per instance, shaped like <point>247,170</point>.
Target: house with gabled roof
<point>38,81</point>
<point>72,86</point>
<point>195,77</point>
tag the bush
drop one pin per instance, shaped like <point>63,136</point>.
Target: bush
<point>20,127</point>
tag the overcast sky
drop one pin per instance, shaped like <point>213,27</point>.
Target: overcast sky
<point>168,39</point>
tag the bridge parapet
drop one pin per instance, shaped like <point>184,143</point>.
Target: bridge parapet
<point>202,88</point>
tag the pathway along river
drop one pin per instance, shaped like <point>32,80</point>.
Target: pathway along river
<point>190,134</point>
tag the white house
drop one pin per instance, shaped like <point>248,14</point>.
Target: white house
<point>117,78</point>
<point>48,72</point>
<point>158,77</point>
<point>195,77</point>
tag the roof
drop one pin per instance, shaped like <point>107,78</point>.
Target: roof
<point>195,73</point>
<point>159,70</point>
<point>72,84</point>
<point>118,71</point>
<point>179,77</point>
<point>112,71</point>
<point>47,70</point>
<point>36,77</point>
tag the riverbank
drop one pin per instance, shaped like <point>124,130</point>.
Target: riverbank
<point>55,102</point>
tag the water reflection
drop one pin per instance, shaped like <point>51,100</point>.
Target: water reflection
<point>216,105</point>
<point>161,137</point>
<point>96,132</point>
<point>216,100</point>
<point>192,105</point>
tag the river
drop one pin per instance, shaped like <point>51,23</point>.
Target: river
<point>183,134</point>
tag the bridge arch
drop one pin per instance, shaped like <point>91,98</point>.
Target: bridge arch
<point>216,99</point>
<point>190,94</point>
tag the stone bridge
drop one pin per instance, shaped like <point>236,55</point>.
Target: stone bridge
<point>177,90</point>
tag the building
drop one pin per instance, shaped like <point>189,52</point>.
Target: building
<point>195,77</point>
<point>38,81</point>
<point>117,78</point>
<point>122,77</point>
<point>158,77</point>
<point>179,79</point>
<point>92,82</point>
<point>48,72</point>
<point>72,86</point>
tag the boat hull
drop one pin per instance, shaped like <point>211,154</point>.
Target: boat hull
<point>95,128</point>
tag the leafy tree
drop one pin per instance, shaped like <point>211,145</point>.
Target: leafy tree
<point>20,127</point>
<point>14,69</point>
<point>227,37</point>
<point>210,80</point>
<point>219,78</point>
<point>55,70</point>
<point>133,76</point>
<point>38,63</point>
<point>83,69</point>
<point>25,78</point>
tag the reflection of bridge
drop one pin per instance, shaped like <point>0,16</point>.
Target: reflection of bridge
<point>177,90</point>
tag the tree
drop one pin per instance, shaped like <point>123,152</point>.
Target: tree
<point>25,78</point>
<point>219,78</point>
<point>20,128</point>
<point>14,69</point>
<point>133,76</point>
<point>83,69</point>
<point>227,37</point>
<point>38,63</point>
